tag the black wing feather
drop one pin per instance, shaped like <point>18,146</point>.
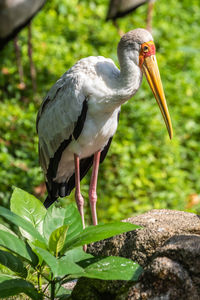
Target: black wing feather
<point>65,188</point>
<point>55,189</point>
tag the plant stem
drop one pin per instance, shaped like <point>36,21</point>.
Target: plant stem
<point>46,287</point>
<point>39,279</point>
<point>52,288</point>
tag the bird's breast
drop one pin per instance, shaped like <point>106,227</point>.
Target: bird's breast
<point>96,132</point>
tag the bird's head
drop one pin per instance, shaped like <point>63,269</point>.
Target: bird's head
<point>137,45</point>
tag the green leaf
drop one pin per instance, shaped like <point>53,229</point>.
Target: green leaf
<point>13,263</point>
<point>6,229</point>
<point>77,254</point>
<point>111,268</point>
<point>66,266</point>
<point>63,293</point>
<point>50,260</point>
<point>4,277</point>
<point>60,267</point>
<point>29,208</point>
<point>57,239</point>
<point>65,296</point>
<point>99,232</point>
<point>57,217</point>
<point>11,287</point>
<point>20,222</point>
<point>17,246</point>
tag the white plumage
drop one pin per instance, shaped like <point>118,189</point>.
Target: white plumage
<point>92,79</point>
<point>79,116</point>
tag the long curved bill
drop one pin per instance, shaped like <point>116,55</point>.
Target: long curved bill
<point>151,71</point>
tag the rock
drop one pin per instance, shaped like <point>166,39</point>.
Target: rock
<point>168,248</point>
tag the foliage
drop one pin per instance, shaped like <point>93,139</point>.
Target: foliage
<point>50,245</point>
<point>143,169</point>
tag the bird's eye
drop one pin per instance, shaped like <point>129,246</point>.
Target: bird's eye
<point>145,49</point>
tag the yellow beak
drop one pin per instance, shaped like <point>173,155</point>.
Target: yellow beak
<point>151,71</point>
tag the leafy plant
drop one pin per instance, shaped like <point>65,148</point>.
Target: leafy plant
<point>143,169</point>
<point>49,244</point>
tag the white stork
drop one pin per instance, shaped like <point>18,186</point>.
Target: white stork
<point>79,116</point>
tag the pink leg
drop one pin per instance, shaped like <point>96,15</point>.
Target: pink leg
<point>93,186</point>
<point>78,196</point>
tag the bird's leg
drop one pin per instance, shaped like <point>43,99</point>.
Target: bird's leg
<point>21,85</point>
<point>78,196</point>
<point>30,54</point>
<point>150,15</point>
<point>93,186</point>
<point>119,30</point>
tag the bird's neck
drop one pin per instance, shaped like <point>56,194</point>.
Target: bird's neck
<point>128,81</point>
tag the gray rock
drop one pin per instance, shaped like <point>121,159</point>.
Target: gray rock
<point>168,248</point>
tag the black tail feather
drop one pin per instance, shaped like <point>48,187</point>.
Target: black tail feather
<point>52,189</point>
<point>64,189</point>
<point>48,201</point>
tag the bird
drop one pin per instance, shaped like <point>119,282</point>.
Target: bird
<point>120,8</point>
<point>79,115</point>
<point>15,15</point>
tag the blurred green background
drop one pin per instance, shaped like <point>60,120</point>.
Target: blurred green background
<point>143,169</point>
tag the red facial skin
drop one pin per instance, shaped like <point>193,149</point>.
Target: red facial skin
<point>147,49</point>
